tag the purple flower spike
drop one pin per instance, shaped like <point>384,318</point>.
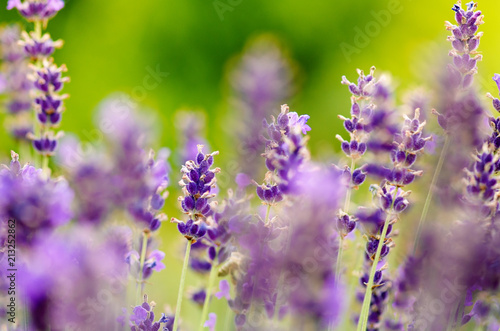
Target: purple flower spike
<point>143,318</point>
<point>36,10</point>
<point>198,181</point>
<point>496,78</point>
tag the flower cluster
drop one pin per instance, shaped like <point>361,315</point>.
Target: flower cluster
<point>198,182</point>
<point>47,77</point>
<point>261,80</point>
<point>285,151</point>
<point>465,41</point>
<point>14,83</point>
<point>37,204</point>
<point>36,10</point>
<point>277,253</point>
<point>55,264</point>
<point>143,318</point>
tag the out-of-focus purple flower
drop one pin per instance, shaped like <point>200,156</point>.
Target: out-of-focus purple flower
<point>38,205</point>
<point>191,126</point>
<point>126,176</point>
<point>224,290</point>
<point>198,297</point>
<point>465,41</point>
<point>496,101</point>
<point>143,318</point>
<point>53,266</point>
<point>39,47</point>
<point>15,83</point>
<point>211,322</point>
<point>262,80</point>
<point>36,10</point>
<point>273,278</point>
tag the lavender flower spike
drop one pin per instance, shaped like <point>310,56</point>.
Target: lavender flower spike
<point>465,42</point>
<point>197,182</point>
<point>36,10</point>
<point>496,101</point>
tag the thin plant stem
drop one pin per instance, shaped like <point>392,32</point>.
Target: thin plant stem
<point>181,286</point>
<point>267,214</point>
<point>229,314</point>
<point>365,309</point>
<point>430,193</point>
<point>142,260</point>
<point>347,203</point>
<point>206,304</point>
<point>45,166</point>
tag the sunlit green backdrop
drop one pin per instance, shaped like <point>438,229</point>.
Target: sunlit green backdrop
<point>110,44</point>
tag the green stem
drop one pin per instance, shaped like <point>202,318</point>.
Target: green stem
<point>365,309</point>
<point>267,214</point>
<point>181,286</point>
<point>139,287</point>
<point>430,193</point>
<point>206,304</point>
<point>229,314</point>
<point>38,29</point>
<point>45,165</point>
<point>347,203</point>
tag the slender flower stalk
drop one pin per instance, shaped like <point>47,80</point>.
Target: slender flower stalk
<point>392,201</point>
<point>197,182</point>
<point>365,309</point>
<point>430,193</point>
<point>140,283</point>
<point>211,280</point>
<point>180,294</point>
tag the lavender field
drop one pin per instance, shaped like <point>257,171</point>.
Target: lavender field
<point>165,167</point>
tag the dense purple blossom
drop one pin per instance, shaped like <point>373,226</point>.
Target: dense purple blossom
<point>198,182</point>
<point>53,266</point>
<point>37,204</point>
<point>262,80</point>
<point>14,83</point>
<point>465,41</point>
<point>36,10</point>
<point>275,277</point>
<point>191,126</point>
<point>143,318</point>
<point>37,47</point>
<point>285,151</point>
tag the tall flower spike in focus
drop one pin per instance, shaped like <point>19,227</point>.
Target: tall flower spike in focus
<point>285,154</point>
<point>391,203</point>
<point>198,181</point>
<point>47,77</point>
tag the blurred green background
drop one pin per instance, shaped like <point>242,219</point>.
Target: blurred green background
<point>110,44</point>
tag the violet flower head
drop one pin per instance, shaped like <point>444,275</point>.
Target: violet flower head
<point>38,205</point>
<point>48,81</point>
<point>465,41</point>
<point>197,183</point>
<point>36,10</point>
<point>262,80</point>
<point>192,125</point>
<point>286,151</point>
<point>496,101</point>
<point>14,83</point>
<point>38,47</point>
<point>55,264</point>
<point>143,317</point>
